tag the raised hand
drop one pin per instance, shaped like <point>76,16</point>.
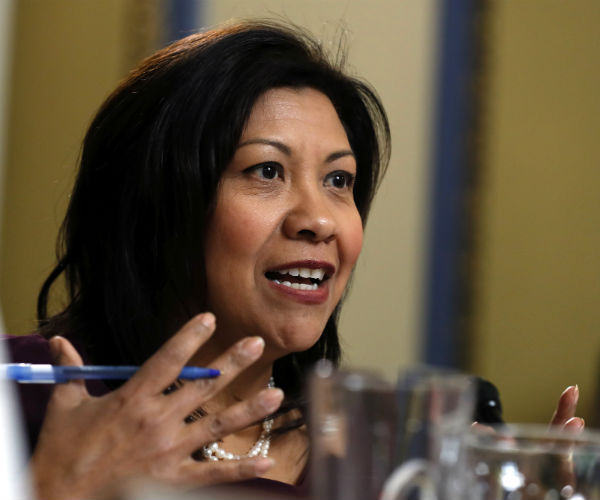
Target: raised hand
<point>89,445</point>
<point>564,415</point>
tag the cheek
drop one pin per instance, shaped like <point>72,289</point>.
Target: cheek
<point>353,239</point>
<point>236,233</point>
<point>355,243</point>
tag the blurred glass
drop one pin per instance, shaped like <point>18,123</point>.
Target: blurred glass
<point>435,409</point>
<point>353,418</point>
<point>363,429</point>
<point>14,473</point>
<point>525,462</point>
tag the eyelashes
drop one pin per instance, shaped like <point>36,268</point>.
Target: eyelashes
<point>340,179</point>
<point>268,171</point>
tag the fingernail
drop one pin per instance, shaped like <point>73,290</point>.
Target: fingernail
<point>263,464</point>
<point>252,346</point>
<point>575,423</point>
<point>208,320</point>
<point>270,399</point>
<point>573,391</point>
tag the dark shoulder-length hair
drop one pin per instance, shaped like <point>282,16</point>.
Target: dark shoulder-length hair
<point>131,244</point>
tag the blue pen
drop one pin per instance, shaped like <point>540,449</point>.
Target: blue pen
<point>26,373</point>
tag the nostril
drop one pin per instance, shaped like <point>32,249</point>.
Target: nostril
<point>307,233</point>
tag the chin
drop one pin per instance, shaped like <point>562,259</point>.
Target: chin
<point>296,341</point>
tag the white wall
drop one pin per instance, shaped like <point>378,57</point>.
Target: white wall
<point>392,45</point>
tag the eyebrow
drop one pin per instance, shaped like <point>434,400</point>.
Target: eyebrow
<point>285,149</point>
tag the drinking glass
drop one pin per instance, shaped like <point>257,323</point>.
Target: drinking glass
<point>363,429</point>
<point>524,462</point>
<point>352,420</point>
<point>435,410</point>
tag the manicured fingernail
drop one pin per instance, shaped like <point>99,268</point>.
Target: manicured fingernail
<point>252,346</point>
<point>263,464</point>
<point>576,392</point>
<point>270,399</point>
<point>208,320</point>
<point>575,424</point>
<point>571,390</point>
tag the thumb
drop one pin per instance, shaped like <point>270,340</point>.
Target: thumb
<point>63,353</point>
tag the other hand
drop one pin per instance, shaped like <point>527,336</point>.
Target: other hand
<point>564,415</point>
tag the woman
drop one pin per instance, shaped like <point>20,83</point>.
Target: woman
<point>232,172</point>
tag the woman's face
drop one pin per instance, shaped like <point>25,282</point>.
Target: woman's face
<point>285,233</point>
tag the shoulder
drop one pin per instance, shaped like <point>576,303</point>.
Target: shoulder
<point>27,348</point>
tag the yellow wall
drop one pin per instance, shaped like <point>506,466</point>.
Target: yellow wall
<point>7,9</point>
<point>68,55</point>
<point>537,324</point>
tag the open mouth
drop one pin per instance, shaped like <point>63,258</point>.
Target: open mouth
<point>300,278</point>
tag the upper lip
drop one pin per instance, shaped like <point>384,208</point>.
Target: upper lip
<point>307,264</point>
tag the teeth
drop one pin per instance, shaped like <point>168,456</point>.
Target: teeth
<point>304,273</point>
<point>317,274</point>
<point>297,286</point>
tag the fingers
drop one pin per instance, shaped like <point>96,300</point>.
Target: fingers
<point>231,363</point>
<point>234,418</point>
<point>574,424</point>
<point>483,428</point>
<point>567,405</point>
<point>165,365</point>
<point>565,469</point>
<point>65,354</point>
<point>208,473</point>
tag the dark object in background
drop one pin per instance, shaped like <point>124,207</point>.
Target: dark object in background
<point>488,408</point>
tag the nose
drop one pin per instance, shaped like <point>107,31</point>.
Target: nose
<point>309,218</point>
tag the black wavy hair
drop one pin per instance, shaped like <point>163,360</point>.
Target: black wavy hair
<point>130,247</point>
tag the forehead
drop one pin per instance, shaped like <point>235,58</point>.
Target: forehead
<point>294,111</point>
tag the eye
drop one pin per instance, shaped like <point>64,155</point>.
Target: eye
<point>267,170</point>
<point>340,180</point>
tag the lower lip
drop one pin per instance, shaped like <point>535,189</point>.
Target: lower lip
<point>318,296</point>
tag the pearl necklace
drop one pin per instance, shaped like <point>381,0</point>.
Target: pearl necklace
<point>215,453</point>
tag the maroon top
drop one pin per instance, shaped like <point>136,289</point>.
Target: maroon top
<point>34,397</point>
<point>34,400</point>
